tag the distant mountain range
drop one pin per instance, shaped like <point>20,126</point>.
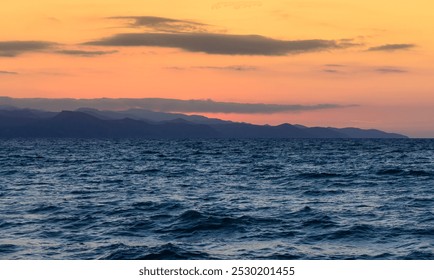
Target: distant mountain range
<point>140,123</point>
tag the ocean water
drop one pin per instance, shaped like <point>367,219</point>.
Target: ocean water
<point>217,199</point>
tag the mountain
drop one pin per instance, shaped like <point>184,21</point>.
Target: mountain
<point>91,123</point>
<point>68,124</point>
<point>245,130</point>
<point>11,116</point>
<point>142,114</point>
<point>366,133</point>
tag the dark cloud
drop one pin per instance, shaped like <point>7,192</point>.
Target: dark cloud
<point>8,73</point>
<point>390,70</point>
<point>195,36</point>
<point>331,71</point>
<point>84,53</point>
<point>15,48</point>
<point>164,24</point>
<point>218,43</point>
<point>164,105</point>
<point>391,47</point>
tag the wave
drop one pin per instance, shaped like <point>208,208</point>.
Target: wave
<point>9,248</point>
<point>321,193</point>
<point>285,256</point>
<point>319,175</point>
<point>419,255</point>
<point>44,208</point>
<point>167,251</point>
<point>145,206</point>
<point>403,172</point>
<point>322,221</point>
<point>356,232</point>
<point>192,221</point>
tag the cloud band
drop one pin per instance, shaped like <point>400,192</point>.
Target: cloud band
<point>164,105</point>
<point>212,43</point>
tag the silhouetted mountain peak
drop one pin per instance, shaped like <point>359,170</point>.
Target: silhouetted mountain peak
<point>285,125</point>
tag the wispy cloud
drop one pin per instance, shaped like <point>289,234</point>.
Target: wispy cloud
<point>16,48</point>
<point>333,71</point>
<point>333,68</point>
<point>163,24</point>
<point>391,47</point>
<point>84,53</point>
<point>358,69</point>
<point>334,65</point>
<point>390,70</point>
<point>210,106</point>
<point>8,73</point>
<point>212,43</point>
<point>165,105</point>
<point>177,68</point>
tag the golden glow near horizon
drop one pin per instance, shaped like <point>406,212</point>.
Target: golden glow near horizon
<point>382,59</point>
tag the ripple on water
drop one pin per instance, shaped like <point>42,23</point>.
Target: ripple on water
<point>167,251</point>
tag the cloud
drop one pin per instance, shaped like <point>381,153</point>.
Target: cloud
<point>84,53</point>
<point>163,24</point>
<point>212,43</point>
<point>334,65</point>
<point>177,68</point>
<point>355,70</point>
<point>195,36</point>
<point>348,43</point>
<point>164,105</point>
<point>391,47</point>
<point>331,71</point>
<point>210,106</point>
<point>390,70</point>
<point>8,73</point>
<point>15,48</point>
<point>334,68</point>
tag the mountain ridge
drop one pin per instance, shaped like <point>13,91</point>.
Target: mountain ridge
<point>92,123</point>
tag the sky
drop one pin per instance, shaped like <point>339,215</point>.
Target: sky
<point>367,64</point>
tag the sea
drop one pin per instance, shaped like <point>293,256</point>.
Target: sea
<point>217,199</point>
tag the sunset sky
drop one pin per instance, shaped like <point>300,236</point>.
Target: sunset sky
<point>371,62</point>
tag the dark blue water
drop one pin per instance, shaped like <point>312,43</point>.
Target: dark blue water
<point>217,199</point>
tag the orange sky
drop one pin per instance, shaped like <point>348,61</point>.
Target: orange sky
<point>378,55</point>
